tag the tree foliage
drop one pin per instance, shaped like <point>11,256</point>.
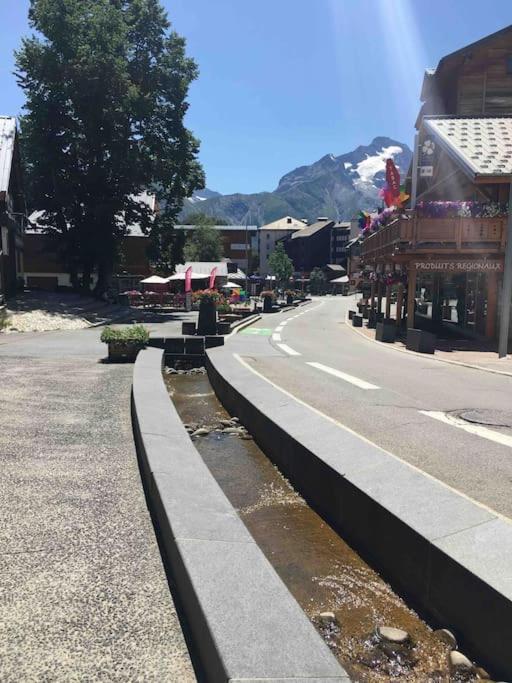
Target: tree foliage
<point>280,263</point>
<point>203,243</point>
<point>106,83</point>
<point>317,281</point>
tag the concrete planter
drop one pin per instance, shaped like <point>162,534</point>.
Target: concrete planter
<point>385,332</point>
<point>207,322</point>
<point>267,304</point>
<point>223,327</point>
<point>351,314</point>
<point>420,341</point>
<point>357,320</point>
<point>372,320</point>
<point>188,328</point>
<point>123,352</point>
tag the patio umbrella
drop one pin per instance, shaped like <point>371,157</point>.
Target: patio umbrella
<point>154,280</point>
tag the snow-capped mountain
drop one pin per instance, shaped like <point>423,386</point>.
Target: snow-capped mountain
<point>334,186</point>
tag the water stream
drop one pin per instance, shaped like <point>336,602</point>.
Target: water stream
<point>321,571</point>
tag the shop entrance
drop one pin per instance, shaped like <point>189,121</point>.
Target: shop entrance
<point>452,304</point>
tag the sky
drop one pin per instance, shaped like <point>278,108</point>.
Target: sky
<point>284,82</point>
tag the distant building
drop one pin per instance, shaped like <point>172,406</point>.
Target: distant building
<point>240,242</point>
<point>310,247</point>
<point>270,234</point>
<point>12,209</point>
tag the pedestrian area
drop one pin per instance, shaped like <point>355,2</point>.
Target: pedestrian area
<point>83,593</point>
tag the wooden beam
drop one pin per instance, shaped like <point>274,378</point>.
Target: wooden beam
<point>388,301</point>
<point>492,305</point>
<point>411,295</point>
<point>399,304</point>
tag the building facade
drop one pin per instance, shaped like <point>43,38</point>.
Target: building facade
<point>445,255</point>
<point>270,234</point>
<point>12,210</point>
<point>310,247</point>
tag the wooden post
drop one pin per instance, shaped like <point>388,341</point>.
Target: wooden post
<point>492,304</point>
<point>379,296</point>
<point>411,295</point>
<point>399,304</point>
<point>388,301</point>
<point>372,295</point>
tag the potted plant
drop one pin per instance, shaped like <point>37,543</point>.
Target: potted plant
<point>125,343</point>
<point>268,300</point>
<point>290,296</point>
<point>208,300</point>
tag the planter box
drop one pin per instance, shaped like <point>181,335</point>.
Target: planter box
<point>267,304</point>
<point>366,312</point>
<point>194,345</point>
<point>188,328</point>
<point>357,320</point>
<point>420,341</point>
<point>372,319</point>
<point>213,340</point>
<point>174,345</point>
<point>223,327</point>
<point>123,352</point>
<point>207,320</point>
<point>386,332</point>
<point>351,314</point>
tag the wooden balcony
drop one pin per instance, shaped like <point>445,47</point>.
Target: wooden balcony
<point>438,236</point>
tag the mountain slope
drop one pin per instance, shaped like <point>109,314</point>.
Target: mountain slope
<point>334,186</point>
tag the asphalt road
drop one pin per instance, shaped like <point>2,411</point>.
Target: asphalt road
<point>398,401</point>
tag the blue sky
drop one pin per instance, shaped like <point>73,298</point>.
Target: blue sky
<point>284,82</point>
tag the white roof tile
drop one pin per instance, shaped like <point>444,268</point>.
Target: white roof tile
<point>483,145</point>
<point>7,138</point>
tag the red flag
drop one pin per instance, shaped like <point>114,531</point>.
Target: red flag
<point>212,277</point>
<point>393,178</point>
<point>188,279</point>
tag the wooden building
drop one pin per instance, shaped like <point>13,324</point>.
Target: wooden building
<point>445,256</point>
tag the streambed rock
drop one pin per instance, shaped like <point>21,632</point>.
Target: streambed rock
<point>392,635</point>
<point>446,637</point>
<point>202,431</point>
<point>459,662</point>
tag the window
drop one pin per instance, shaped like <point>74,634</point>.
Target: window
<point>509,64</point>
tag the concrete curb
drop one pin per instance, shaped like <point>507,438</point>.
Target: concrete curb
<point>242,324</point>
<point>244,622</point>
<point>423,355</point>
<point>449,555</point>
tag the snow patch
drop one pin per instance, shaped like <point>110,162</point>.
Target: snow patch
<point>347,164</point>
<point>369,167</point>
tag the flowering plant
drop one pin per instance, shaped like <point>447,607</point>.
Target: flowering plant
<point>267,292</point>
<point>461,209</point>
<point>210,295</point>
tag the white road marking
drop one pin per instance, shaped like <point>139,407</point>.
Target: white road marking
<point>288,350</point>
<point>366,440</point>
<point>479,430</point>
<point>276,337</point>
<point>279,328</point>
<point>361,383</point>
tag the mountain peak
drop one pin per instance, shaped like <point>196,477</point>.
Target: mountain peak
<point>334,186</point>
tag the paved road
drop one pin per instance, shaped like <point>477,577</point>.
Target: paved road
<point>398,401</point>
<point>83,594</point>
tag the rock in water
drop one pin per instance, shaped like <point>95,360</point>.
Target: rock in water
<point>327,618</point>
<point>392,635</point>
<point>447,637</point>
<point>457,660</point>
<point>231,430</point>
<point>202,431</point>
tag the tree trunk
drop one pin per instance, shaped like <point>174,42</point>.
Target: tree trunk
<point>105,271</point>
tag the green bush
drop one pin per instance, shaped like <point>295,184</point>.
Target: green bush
<point>136,334</point>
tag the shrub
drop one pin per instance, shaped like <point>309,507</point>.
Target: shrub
<point>136,334</point>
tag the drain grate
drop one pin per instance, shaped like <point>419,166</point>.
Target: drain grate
<point>494,418</point>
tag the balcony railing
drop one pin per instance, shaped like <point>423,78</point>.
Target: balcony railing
<point>422,235</point>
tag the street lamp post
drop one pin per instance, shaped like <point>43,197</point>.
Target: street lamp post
<point>506,293</point>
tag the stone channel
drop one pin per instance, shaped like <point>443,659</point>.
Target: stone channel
<point>374,634</point>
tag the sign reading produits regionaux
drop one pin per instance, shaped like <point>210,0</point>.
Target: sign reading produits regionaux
<point>482,265</point>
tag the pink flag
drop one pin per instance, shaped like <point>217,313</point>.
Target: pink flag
<point>212,277</point>
<point>188,279</point>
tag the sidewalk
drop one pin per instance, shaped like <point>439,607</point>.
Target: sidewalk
<point>83,593</point>
<point>481,360</point>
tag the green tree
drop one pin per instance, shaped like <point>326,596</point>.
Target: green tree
<point>280,264</point>
<point>106,83</point>
<point>199,217</point>
<point>317,281</point>
<point>203,243</point>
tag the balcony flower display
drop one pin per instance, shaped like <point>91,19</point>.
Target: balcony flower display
<point>460,209</point>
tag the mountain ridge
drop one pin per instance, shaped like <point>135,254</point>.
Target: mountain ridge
<point>334,186</point>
